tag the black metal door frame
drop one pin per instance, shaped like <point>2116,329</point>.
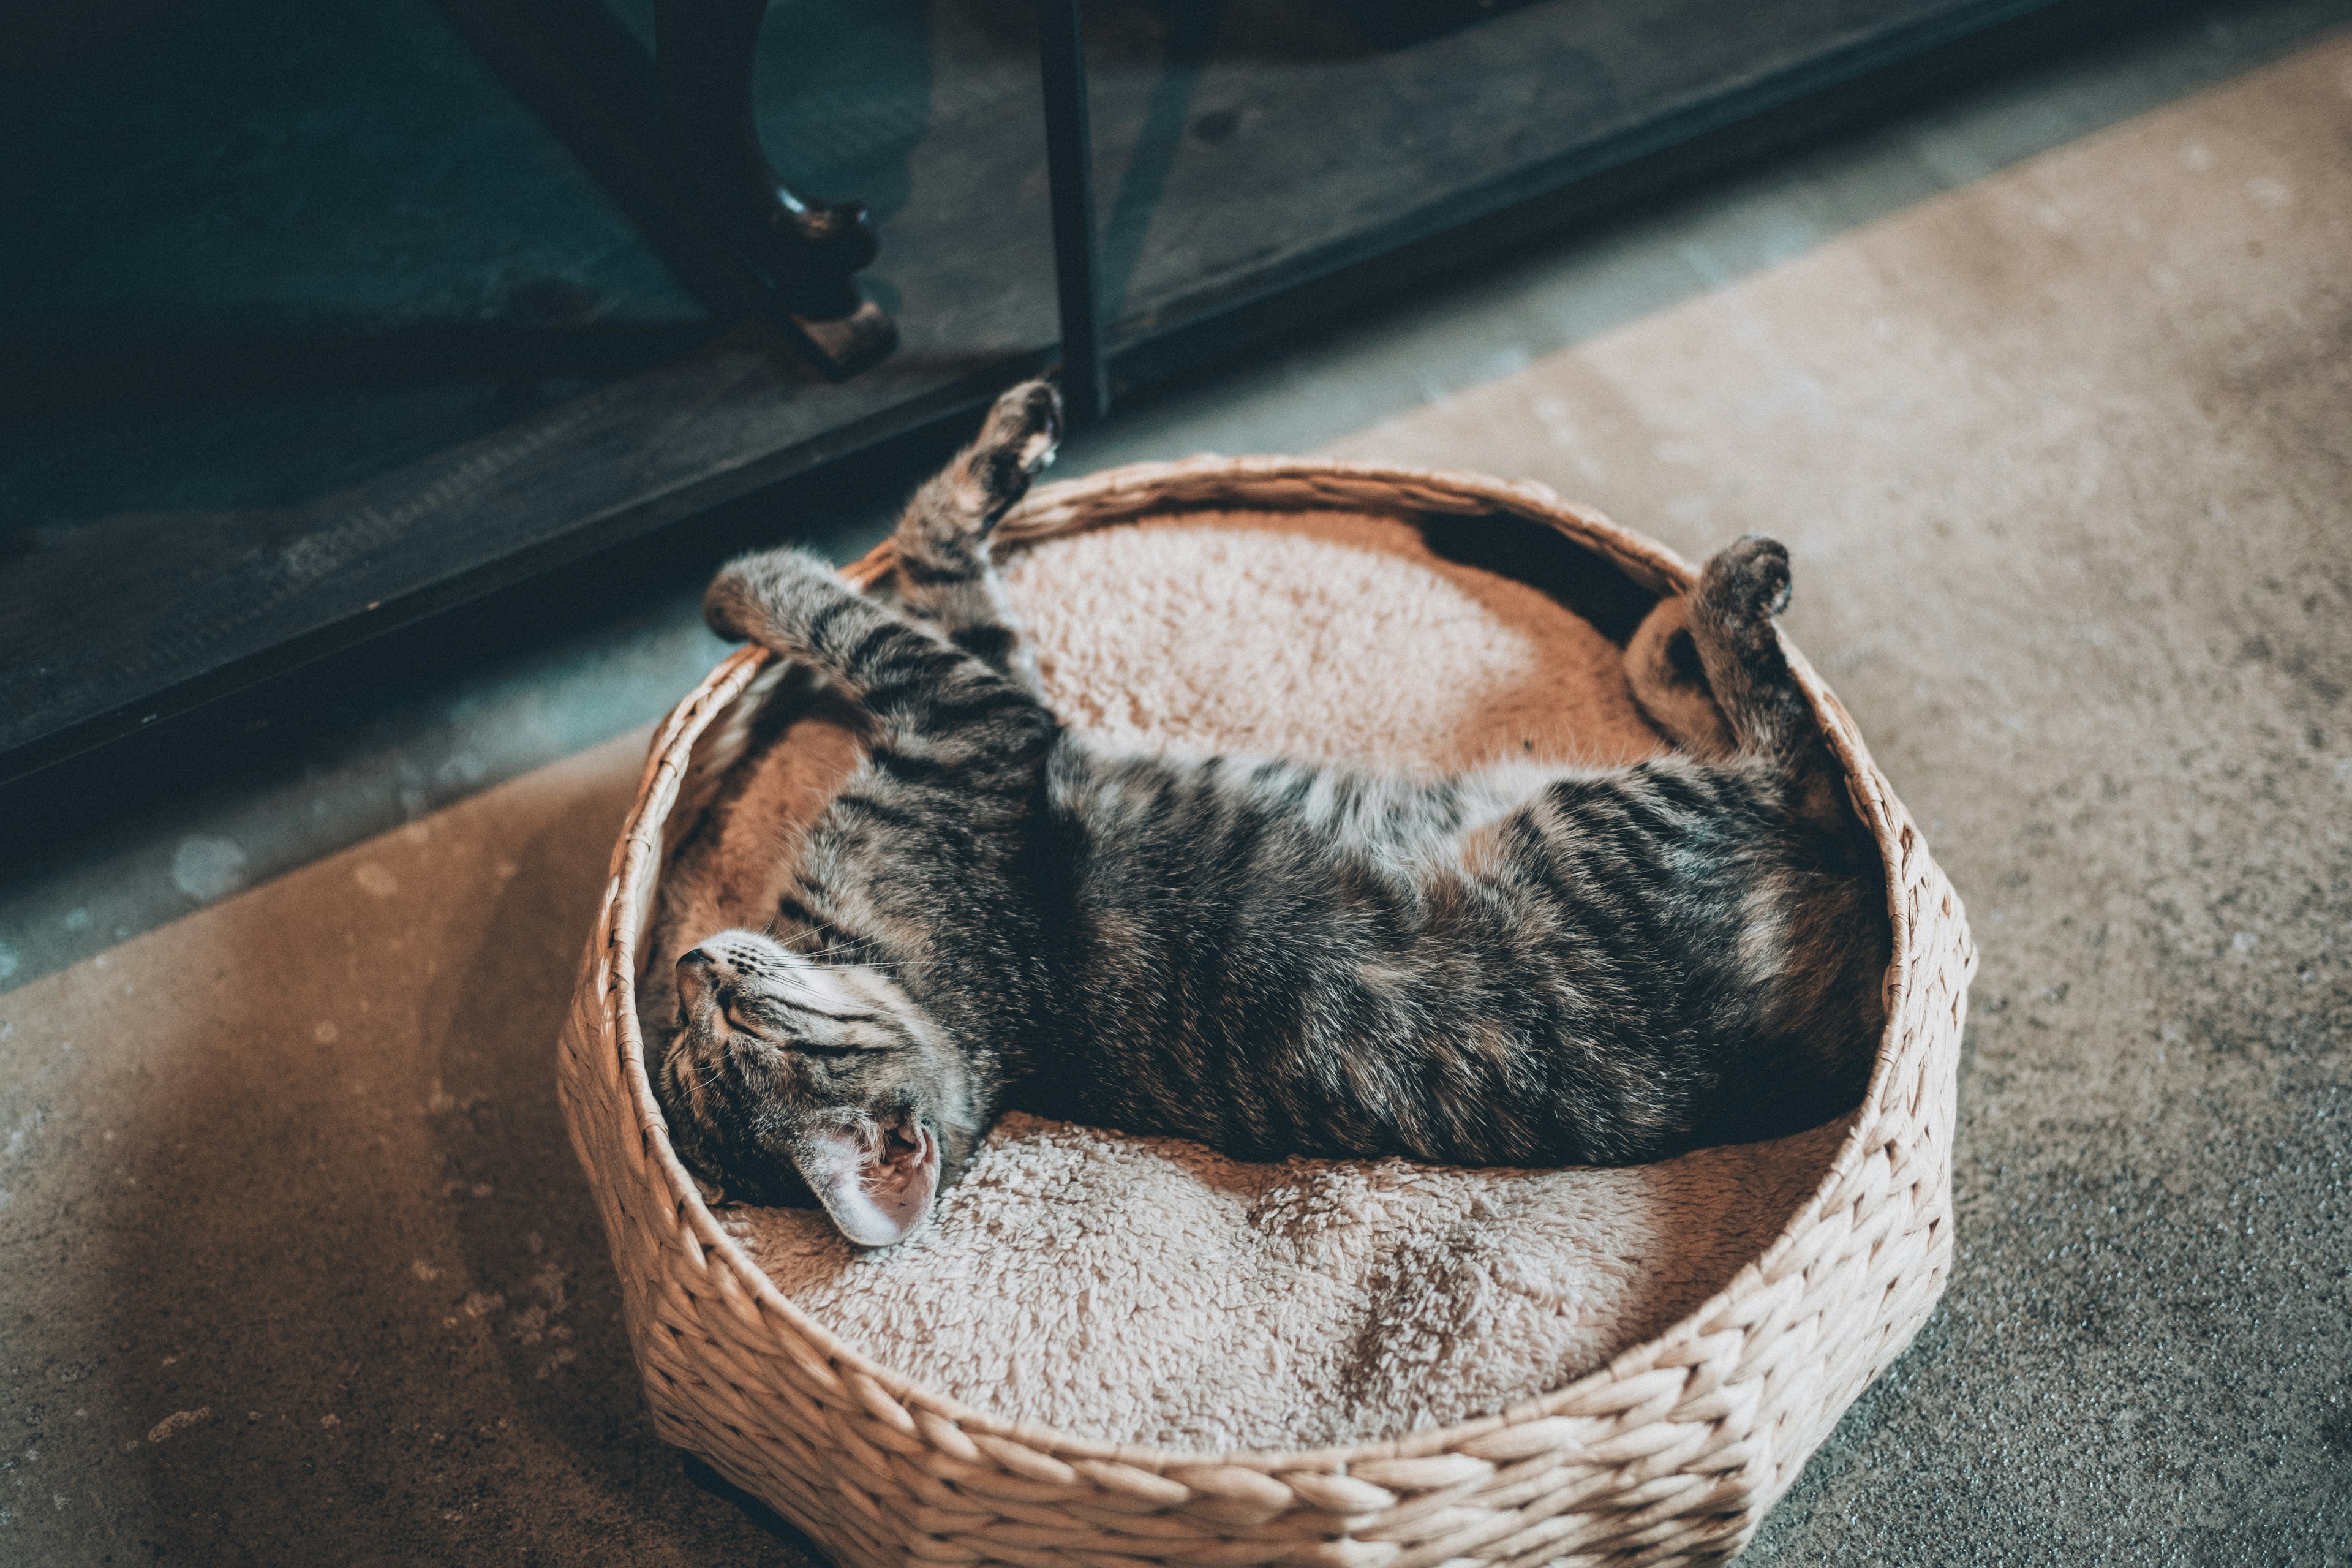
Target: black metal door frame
<point>1069,157</point>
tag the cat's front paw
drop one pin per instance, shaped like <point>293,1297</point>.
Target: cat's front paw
<point>1025,424</point>
<point>1018,440</point>
<point>771,594</point>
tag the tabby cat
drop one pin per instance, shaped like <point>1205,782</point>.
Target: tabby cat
<point>1524,966</point>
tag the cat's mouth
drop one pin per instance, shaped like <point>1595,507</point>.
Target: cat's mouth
<point>876,1181</point>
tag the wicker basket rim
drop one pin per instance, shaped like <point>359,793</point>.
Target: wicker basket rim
<point>1210,483</point>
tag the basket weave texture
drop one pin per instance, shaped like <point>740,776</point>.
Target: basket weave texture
<point>1672,1453</point>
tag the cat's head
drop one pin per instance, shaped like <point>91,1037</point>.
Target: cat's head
<point>787,1072</point>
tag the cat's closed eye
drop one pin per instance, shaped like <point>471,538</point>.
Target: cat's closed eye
<point>745,1021</point>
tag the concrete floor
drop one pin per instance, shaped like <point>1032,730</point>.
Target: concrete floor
<point>294,1263</point>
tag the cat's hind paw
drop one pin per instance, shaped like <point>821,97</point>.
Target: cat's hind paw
<point>1745,583</point>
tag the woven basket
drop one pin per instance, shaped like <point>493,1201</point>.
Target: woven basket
<point>1672,1453</point>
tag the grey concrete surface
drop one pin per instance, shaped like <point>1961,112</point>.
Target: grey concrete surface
<point>295,1266</point>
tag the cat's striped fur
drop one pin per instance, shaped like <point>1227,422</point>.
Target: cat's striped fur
<point>1518,966</point>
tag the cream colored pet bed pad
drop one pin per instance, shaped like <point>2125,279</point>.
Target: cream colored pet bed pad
<point>1107,1348</point>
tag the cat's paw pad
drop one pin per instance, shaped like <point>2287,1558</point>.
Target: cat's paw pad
<point>773,588</point>
<point>1019,440</point>
<point>1748,580</point>
<point>1026,426</point>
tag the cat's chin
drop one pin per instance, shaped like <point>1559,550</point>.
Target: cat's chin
<point>876,1189</point>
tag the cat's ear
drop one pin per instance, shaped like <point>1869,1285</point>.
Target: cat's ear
<point>873,1200</point>
<point>1662,664</point>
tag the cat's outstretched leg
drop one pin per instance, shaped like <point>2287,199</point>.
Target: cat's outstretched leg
<point>1662,664</point>
<point>933,704</point>
<point>1708,668</point>
<point>942,541</point>
<point>1741,590</point>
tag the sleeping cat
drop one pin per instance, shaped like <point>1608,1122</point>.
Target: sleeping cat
<point>1523,966</point>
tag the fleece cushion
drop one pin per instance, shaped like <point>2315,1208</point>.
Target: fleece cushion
<point>1144,1290</point>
